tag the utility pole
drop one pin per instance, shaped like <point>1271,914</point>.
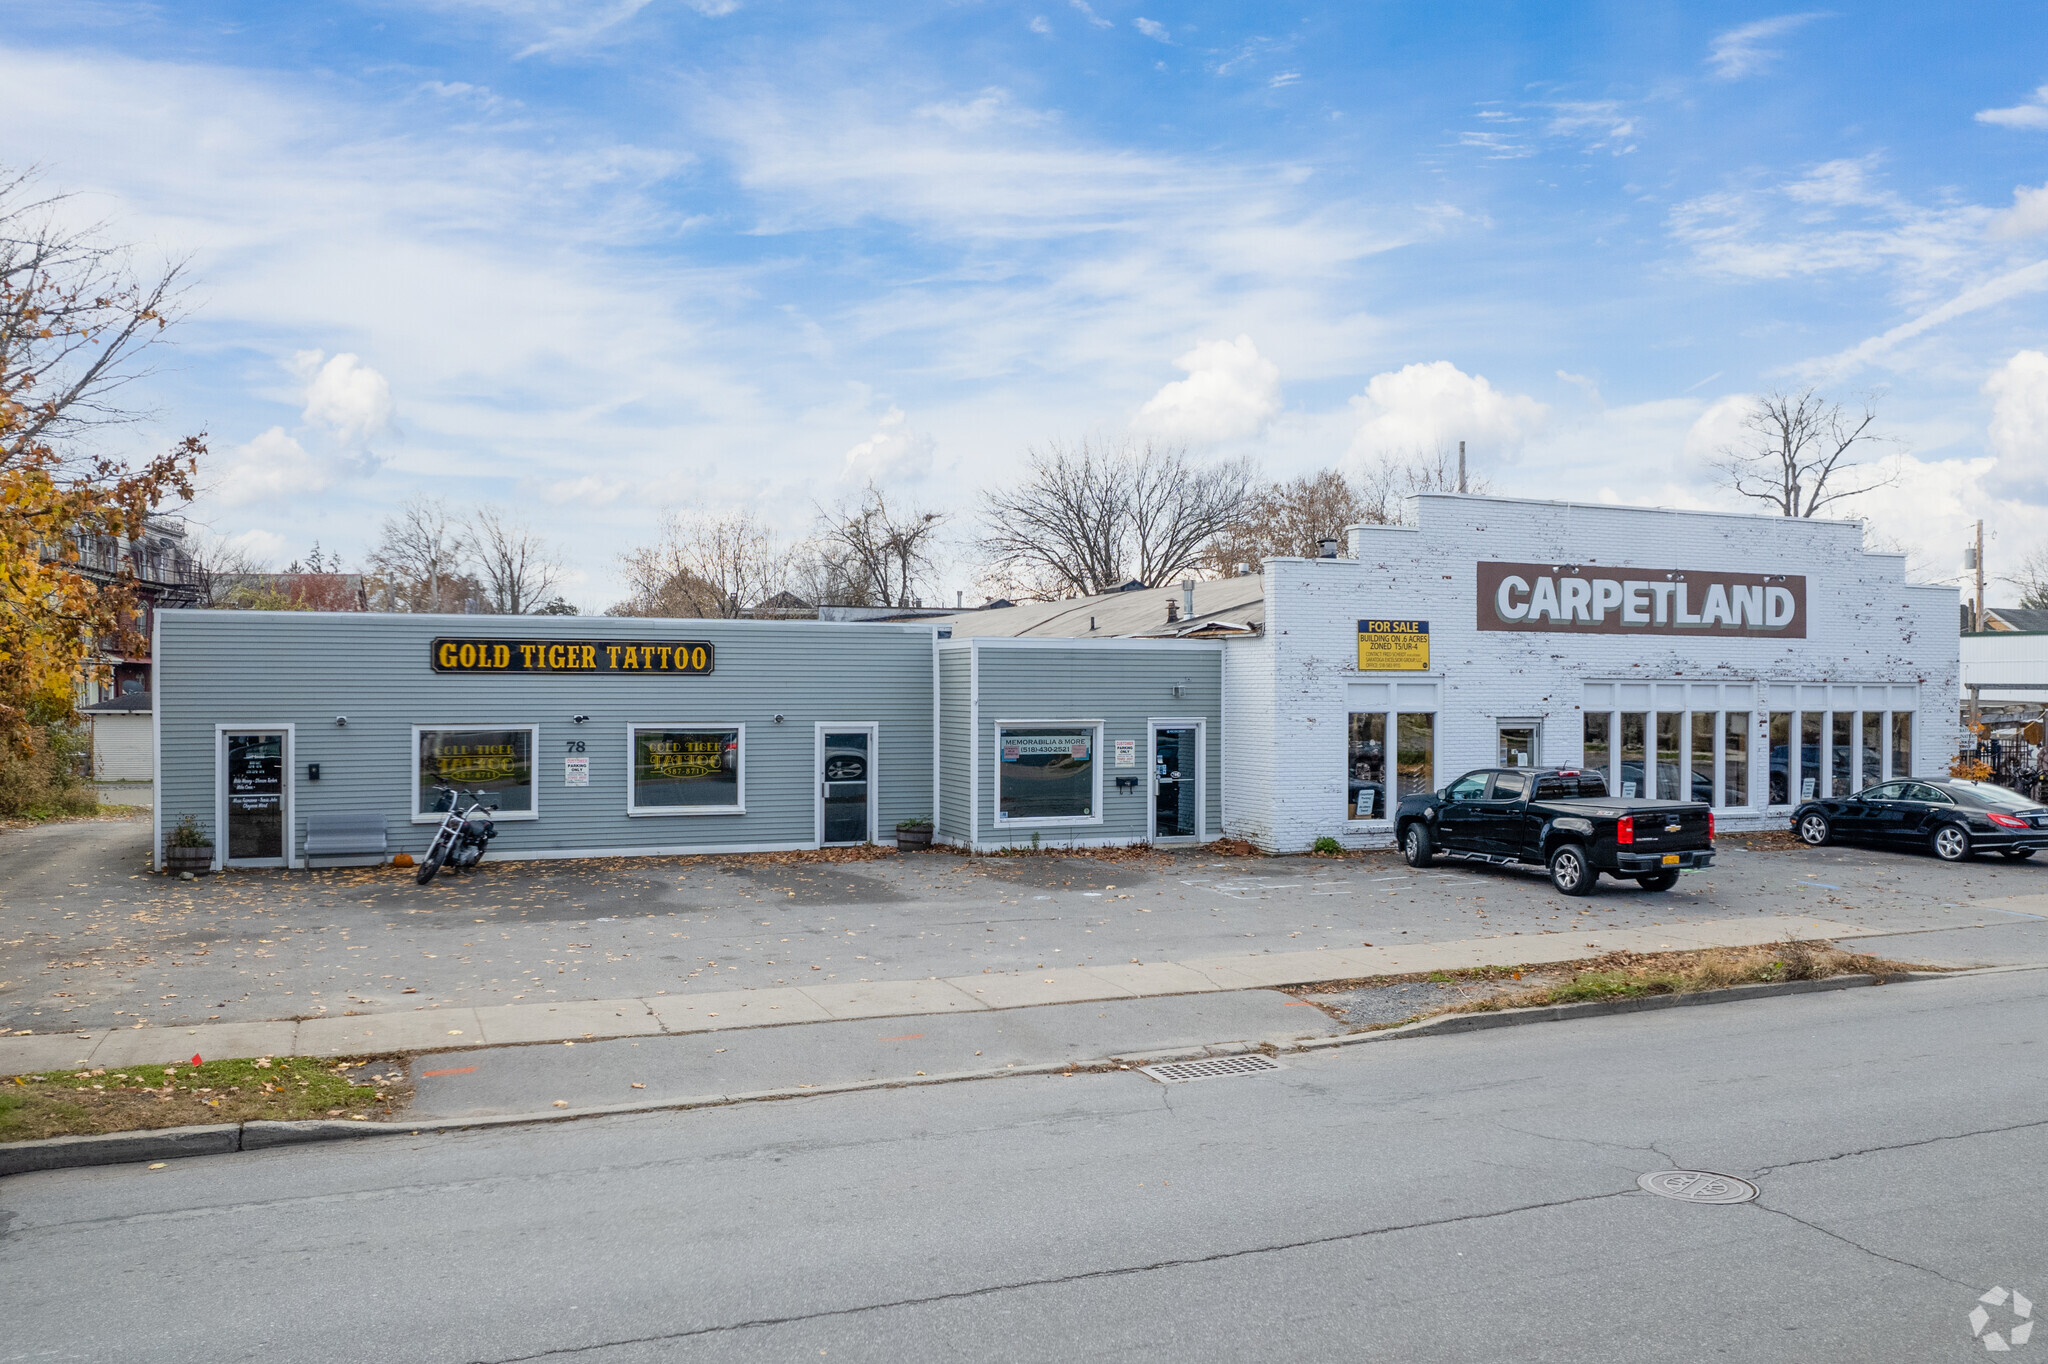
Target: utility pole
<point>1461,480</point>
<point>1978,559</point>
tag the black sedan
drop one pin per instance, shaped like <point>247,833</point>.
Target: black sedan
<point>1949,817</point>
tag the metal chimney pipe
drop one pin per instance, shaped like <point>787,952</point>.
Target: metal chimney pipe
<point>1187,596</point>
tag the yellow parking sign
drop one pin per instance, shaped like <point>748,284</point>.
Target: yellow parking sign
<point>1393,646</point>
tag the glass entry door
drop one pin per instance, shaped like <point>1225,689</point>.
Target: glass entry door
<point>845,783</point>
<point>1176,754</point>
<point>253,769</point>
<point>1519,743</point>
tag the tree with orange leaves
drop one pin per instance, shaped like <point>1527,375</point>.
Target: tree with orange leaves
<point>75,320</point>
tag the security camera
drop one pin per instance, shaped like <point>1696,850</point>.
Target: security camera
<point>341,721</point>
<point>778,719</point>
<point>579,719</point>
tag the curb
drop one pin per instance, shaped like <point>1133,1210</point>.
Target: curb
<point>124,1148</point>
<point>1602,1008</point>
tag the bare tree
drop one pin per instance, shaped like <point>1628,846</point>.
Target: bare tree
<point>1387,484</point>
<point>75,319</point>
<point>2032,580</point>
<point>419,559</point>
<point>883,557</point>
<point>708,566</point>
<point>1088,520</point>
<point>515,564</point>
<point>1289,520</point>
<point>219,569</point>
<point>1802,453</point>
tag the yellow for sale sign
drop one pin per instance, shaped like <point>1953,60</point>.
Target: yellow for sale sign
<point>1393,646</point>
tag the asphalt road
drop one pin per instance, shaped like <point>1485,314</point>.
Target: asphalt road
<point>1457,1198</point>
<point>90,938</point>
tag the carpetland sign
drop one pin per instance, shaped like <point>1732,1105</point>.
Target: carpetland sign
<point>1599,599</point>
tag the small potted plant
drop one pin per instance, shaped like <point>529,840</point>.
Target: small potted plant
<point>914,835</point>
<point>188,849</point>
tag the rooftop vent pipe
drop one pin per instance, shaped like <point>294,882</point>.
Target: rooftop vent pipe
<point>1187,597</point>
<point>1329,548</point>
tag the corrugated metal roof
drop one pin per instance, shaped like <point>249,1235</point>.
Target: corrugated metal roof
<point>1222,605</point>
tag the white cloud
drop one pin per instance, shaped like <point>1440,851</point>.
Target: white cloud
<point>349,398</point>
<point>2031,114</point>
<point>587,491</point>
<point>2025,280</point>
<point>893,453</point>
<point>1231,392</point>
<point>1039,25</point>
<point>272,466</point>
<point>1088,12</point>
<point>1426,405</point>
<point>2019,408</point>
<point>1284,79</point>
<point>2027,216</point>
<point>993,105</point>
<point>1741,52</point>
<point>1153,29</point>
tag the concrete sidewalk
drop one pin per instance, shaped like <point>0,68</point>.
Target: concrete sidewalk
<point>441,1029</point>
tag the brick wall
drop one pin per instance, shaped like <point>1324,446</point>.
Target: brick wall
<point>1288,691</point>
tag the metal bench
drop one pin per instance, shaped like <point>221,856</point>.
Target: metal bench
<point>347,838</point>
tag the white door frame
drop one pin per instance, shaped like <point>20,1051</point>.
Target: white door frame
<point>1201,729</point>
<point>874,732</point>
<point>220,794</point>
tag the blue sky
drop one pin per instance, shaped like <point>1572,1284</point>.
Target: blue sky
<point>594,260</point>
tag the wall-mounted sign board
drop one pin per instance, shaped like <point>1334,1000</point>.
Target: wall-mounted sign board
<point>680,657</point>
<point>1603,599</point>
<point>1393,646</point>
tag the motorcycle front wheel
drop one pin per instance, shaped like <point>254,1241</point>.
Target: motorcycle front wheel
<point>435,857</point>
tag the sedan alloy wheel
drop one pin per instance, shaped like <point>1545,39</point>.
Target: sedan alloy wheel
<point>1951,844</point>
<point>1814,830</point>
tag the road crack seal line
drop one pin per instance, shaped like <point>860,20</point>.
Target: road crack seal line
<point>1084,1276</point>
<point>1904,1146</point>
<point>1857,1245</point>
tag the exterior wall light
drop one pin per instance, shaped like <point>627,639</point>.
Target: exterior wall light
<point>341,722</point>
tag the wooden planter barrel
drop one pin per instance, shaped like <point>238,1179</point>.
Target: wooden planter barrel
<point>188,859</point>
<point>914,840</point>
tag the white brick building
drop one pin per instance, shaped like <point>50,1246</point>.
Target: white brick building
<point>1735,658</point>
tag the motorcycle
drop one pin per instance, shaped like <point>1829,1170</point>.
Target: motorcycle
<point>460,841</point>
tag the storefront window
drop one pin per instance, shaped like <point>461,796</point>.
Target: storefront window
<point>497,762</point>
<point>1634,725</point>
<point>1702,759</point>
<point>1781,757</point>
<point>1735,757</point>
<point>1841,735</point>
<point>1415,738</point>
<point>1902,743</point>
<point>1045,772</point>
<point>1667,756</point>
<point>686,771</point>
<point>1809,754</point>
<point>1599,756</point>
<point>1871,749</point>
<point>1367,779</point>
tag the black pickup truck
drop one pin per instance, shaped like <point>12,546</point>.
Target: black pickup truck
<point>1557,818</point>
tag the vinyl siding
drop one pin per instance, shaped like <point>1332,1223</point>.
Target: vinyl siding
<point>955,672</point>
<point>262,669</point>
<point>1124,684</point>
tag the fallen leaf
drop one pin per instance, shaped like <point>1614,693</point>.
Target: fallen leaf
<point>561,1103</point>
<point>158,1166</point>
<point>639,1086</point>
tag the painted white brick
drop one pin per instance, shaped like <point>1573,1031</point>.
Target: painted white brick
<point>1285,692</point>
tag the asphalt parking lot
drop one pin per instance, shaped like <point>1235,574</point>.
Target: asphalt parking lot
<point>93,939</point>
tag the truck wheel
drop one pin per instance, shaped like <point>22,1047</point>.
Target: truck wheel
<point>1570,872</point>
<point>1415,846</point>
<point>1950,843</point>
<point>1663,880</point>
<point>1815,831</point>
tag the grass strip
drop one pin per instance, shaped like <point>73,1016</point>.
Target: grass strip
<point>1632,975</point>
<point>64,1103</point>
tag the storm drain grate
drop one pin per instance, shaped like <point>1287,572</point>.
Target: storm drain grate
<point>1181,1072</point>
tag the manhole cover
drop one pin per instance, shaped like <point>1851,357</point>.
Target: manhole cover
<point>1698,1186</point>
<point>1180,1072</point>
